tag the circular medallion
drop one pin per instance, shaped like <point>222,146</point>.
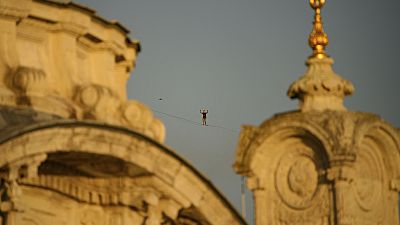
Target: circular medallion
<point>89,96</point>
<point>297,179</point>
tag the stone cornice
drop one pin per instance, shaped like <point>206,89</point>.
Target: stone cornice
<point>112,191</point>
<point>88,11</point>
<point>95,18</point>
<point>16,9</point>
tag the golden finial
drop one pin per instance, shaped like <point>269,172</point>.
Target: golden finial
<point>318,39</point>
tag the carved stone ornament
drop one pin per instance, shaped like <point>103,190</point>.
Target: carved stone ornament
<point>360,163</point>
<point>297,179</point>
<point>320,88</point>
<point>133,192</point>
<point>139,117</point>
<point>301,193</point>
<point>143,195</point>
<point>101,103</point>
<point>27,79</point>
<point>157,130</point>
<point>98,103</point>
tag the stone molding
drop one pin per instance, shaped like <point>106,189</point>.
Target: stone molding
<point>123,191</point>
<point>67,210</point>
<point>148,195</point>
<point>15,9</point>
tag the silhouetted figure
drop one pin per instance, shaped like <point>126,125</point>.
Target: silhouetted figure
<point>204,113</point>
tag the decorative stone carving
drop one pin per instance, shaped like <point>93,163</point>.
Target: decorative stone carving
<point>330,167</point>
<point>141,194</point>
<point>101,103</point>
<point>5,204</point>
<point>157,177</point>
<point>8,50</point>
<point>301,191</point>
<point>27,80</point>
<point>98,103</point>
<point>320,88</point>
<point>297,180</point>
<point>157,129</point>
<point>303,178</point>
<point>113,191</point>
<point>26,167</point>
<point>139,117</point>
<point>27,84</point>
<point>10,190</point>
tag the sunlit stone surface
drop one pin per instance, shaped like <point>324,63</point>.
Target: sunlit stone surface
<point>73,149</point>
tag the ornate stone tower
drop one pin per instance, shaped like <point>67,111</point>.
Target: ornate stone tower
<point>321,164</point>
<point>73,149</point>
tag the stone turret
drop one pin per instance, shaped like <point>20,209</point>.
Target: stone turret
<point>321,164</point>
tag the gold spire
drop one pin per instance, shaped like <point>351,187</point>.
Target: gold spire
<point>318,39</point>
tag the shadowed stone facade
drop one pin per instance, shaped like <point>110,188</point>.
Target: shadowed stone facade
<point>73,149</point>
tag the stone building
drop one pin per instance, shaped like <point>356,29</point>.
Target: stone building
<point>321,164</point>
<point>73,149</point>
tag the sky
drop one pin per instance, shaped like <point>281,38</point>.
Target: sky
<point>237,58</point>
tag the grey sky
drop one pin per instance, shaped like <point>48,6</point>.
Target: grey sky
<point>237,58</point>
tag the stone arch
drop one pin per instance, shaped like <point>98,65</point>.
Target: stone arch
<point>126,145</point>
<point>375,185</point>
<point>286,163</point>
<point>279,130</point>
<point>386,141</point>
